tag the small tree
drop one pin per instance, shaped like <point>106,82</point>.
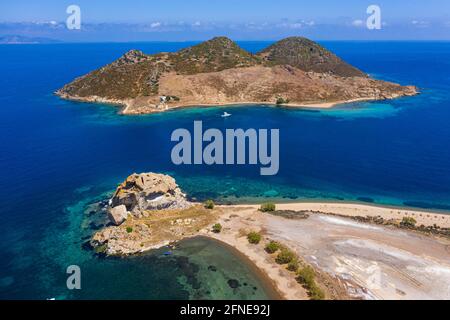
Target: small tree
<point>408,222</point>
<point>217,228</point>
<point>209,204</point>
<point>293,265</point>
<point>281,100</point>
<point>315,293</point>
<point>267,207</point>
<point>305,276</point>
<point>272,247</point>
<point>285,256</point>
<point>254,237</point>
<point>129,229</point>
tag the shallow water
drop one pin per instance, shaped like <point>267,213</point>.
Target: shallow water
<point>59,156</point>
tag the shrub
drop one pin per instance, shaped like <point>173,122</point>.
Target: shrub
<point>293,265</point>
<point>217,228</point>
<point>315,293</point>
<point>305,276</point>
<point>409,222</point>
<point>129,229</point>
<point>281,100</point>
<point>272,247</point>
<point>267,207</point>
<point>209,204</point>
<point>285,256</point>
<point>254,237</point>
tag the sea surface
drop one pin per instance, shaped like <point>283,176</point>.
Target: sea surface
<point>61,160</point>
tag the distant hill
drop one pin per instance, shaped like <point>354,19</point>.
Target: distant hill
<point>217,54</point>
<point>17,39</point>
<point>307,55</point>
<point>294,71</point>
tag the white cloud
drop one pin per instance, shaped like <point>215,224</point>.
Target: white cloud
<point>197,24</point>
<point>296,25</point>
<point>155,25</point>
<point>357,23</point>
<point>420,23</point>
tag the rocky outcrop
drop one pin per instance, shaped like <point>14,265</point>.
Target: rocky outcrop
<point>118,214</point>
<point>130,213</point>
<point>149,191</point>
<point>120,241</point>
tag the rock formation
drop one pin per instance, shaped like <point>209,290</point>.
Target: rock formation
<point>149,191</point>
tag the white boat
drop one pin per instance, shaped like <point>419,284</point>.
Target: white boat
<point>225,115</point>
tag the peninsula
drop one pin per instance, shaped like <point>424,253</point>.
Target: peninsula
<point>292,72</point>
<point>306,250</point>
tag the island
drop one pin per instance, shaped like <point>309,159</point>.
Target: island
<point>306,250</point>
<point>292,72</point>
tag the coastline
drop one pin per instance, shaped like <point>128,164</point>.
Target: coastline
<point>270,286</point>
<point>330,225</point>
<point>125,105</point>
<point>353,209</point>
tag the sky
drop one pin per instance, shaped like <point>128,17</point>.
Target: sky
<point>183,20</point>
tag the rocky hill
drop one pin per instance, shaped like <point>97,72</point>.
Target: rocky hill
<point>293,71</point>
<point>307,55</point>
<point>214,55</point>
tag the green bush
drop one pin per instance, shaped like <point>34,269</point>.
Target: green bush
<point>315,293</point>
<point>285,256</point>
<point>293,265</point>
<point>409,221</point>
<point>129,229</point>
<point>281,100</point>
<point>254,237</point>
<point>272,247</point>
<point>217,228</point>
<point>305,276</point>
<point>209,204</point>
<point>267,207</point>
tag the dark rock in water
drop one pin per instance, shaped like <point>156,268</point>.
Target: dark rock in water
<point>94,226</point>
<point>212,268</point>
<point>245,284</point>
<point>255,288</point>
<point>233,283</point>
<point>91,213</point>
<point>87,246</point>
<point>366,199</point>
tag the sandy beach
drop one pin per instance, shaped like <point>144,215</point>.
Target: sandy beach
<point>127,107</point>
<point>353,260</point>
<point>426,218</point>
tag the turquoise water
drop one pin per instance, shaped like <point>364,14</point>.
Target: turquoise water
<point>60,158</point>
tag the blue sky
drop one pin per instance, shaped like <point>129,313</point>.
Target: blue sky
<point>136,20</point>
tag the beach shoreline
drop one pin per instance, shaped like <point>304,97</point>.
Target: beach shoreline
<point>238,220</point>
<point>126,105</point>
<point>353,209</point>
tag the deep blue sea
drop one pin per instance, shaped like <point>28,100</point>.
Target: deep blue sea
<point>59,158</point>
